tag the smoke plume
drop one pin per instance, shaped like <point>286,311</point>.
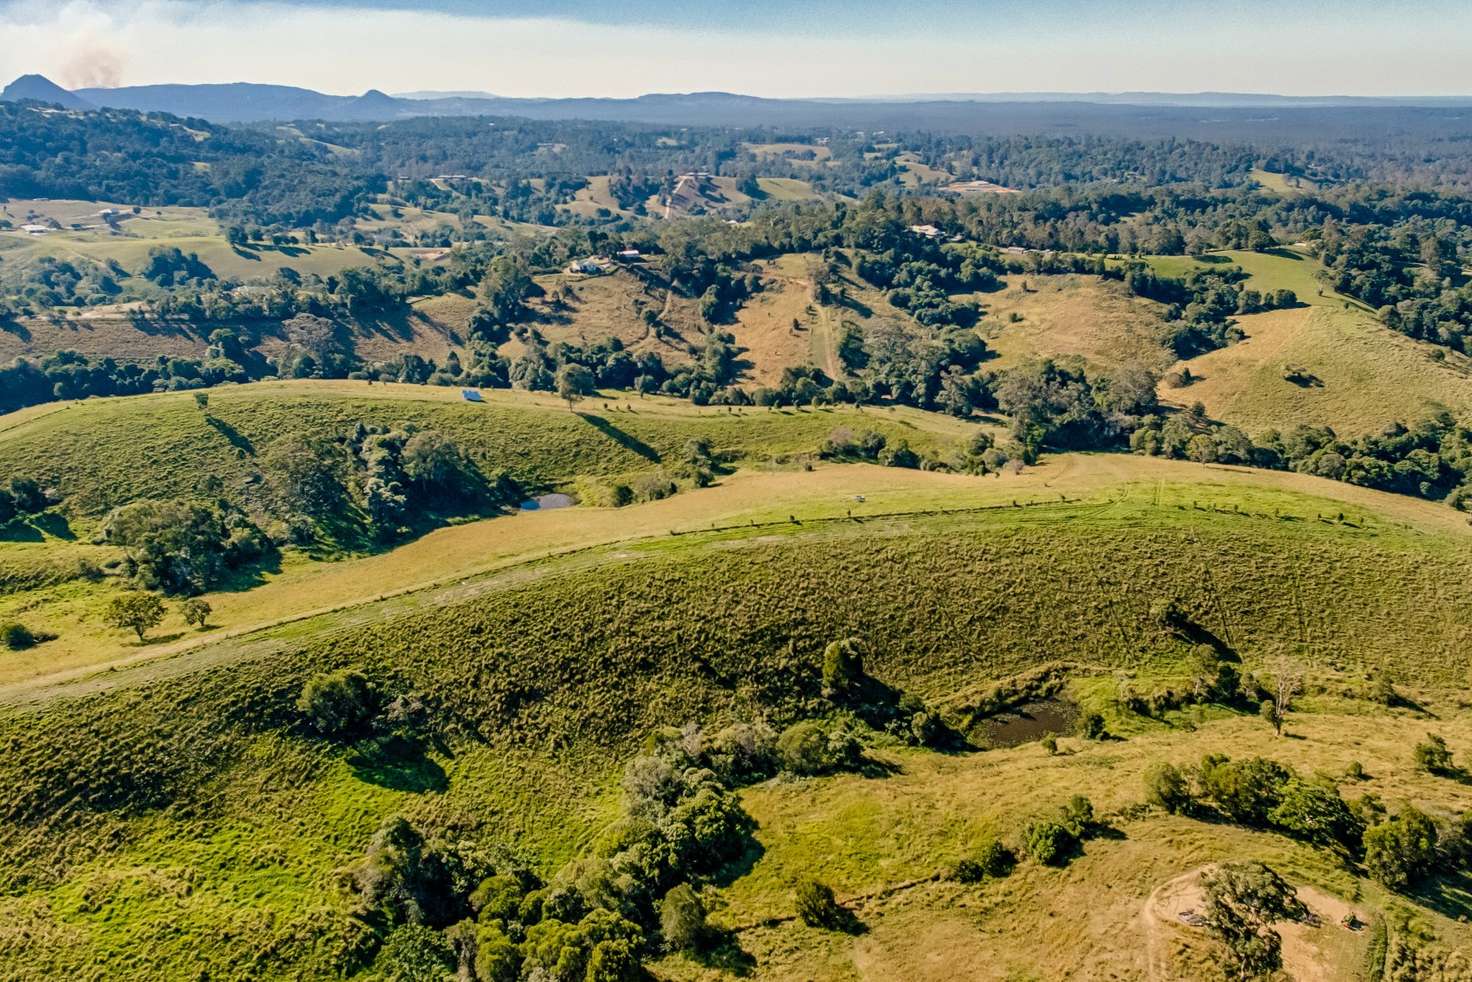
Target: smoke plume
<point>92,65</point>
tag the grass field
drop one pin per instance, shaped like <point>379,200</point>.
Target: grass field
<point>1063,316</point>
<point>1283,183</point>
<point>444,559</point>
<point>914,172</point>
<point>790,151</point>
<point>168,814</point>
<point>187,229</point>
<point>211,808</point>
<point>1368,375</point>
<point>764,324</point>
<point>786,189</point>
<point>595,198</point>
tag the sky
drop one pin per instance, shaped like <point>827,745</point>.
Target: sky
<point>819,48</point>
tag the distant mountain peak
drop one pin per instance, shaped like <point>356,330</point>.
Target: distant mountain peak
<point>39,88</point>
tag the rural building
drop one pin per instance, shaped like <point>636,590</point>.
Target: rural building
<point>587,267</point>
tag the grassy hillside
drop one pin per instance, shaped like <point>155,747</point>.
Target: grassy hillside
<point>1367,375</point>
<point>100,454</point>
<point>46,594</point>
<point>93,452</point>
<point>206,803</point>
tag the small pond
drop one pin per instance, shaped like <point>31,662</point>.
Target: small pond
<point>1028,722</point>
<point>547,502</point>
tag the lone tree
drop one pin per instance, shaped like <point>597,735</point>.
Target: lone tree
<point>196,612</point>
<point>134,612</point>
<point>573,382</point>
<point>1242,902</point>
<point>1288,682</point>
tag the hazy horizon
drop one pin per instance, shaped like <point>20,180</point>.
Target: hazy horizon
<point>825,49</point>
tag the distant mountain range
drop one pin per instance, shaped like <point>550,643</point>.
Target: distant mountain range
<point>246,102</point>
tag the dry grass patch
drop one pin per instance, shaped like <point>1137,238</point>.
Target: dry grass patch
<point>1367,375</point>
<point>1084,316</point>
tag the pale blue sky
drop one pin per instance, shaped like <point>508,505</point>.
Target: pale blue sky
<point>763,47</point>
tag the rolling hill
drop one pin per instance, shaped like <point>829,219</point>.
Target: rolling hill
<point>207,797</point>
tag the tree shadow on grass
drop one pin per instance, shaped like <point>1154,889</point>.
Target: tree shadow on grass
<point>625,440</point>
<point>723,952</point>
<point>248,577</point>
<point>152,639</point>
<point>54,525</point>
<point>1450,896</point>
<point>876,769</point>
<point>847,922</point>
<point>19,530</point>
<point>233,436</point>
<point>398,763</point>
<point>16,328</point>
<point>741,865</point>
<point>37,528</point>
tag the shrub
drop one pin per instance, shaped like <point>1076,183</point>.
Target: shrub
<point>817,907</point>
<point>182,547</point>
<point>16,637</point>
<point>682,919</point>
<point>402,879</point>
<point>1050,745</point>
<point>900,456</point>
<point>1091,727</point>
<point>600,946</point>
<point>1166,787</point>
<point>1315,813</point>
<point>1433,757</point>
<point>814,747</point>
<point>1398,853</point>
<point>706,830</point>
<point>993,860</point>
<point>843,668</point>
<point>499,897</point>
<point>743,753</point>
<point>1077,816</point>
<point>338,705</point>
<point>1049,842</point>
<point>415,953</point>
<point>1246,791</point>
<point>1454,842</point>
